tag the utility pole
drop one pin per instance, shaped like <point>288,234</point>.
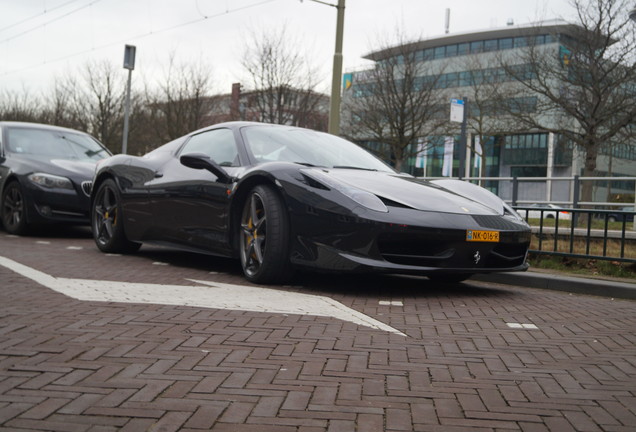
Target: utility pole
<point>334,106</point>
<point>462,141</point>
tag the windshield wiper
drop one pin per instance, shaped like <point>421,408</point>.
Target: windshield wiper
<point>91,153</point>
<point>354,167</point>
<point>307,164</point>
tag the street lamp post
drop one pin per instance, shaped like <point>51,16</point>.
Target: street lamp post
<point>632,16</point>
<point>334,106</point>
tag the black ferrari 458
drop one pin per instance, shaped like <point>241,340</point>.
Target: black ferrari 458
<point>280,198</point>
<point>45,174</point>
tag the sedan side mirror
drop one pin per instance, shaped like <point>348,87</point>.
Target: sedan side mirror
<point>203,161</point>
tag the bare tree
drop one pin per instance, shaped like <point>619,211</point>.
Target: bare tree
<point>585,93</point>
<point>95,101</point>
<point>19,106</point>
<point>486,88</point>
<point>283,82</point>
<point>56,108</point>
<point>398,103</point>
<point>182,101</point>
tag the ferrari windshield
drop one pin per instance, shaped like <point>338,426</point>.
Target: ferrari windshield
<point>307,147</point>
<point>54,144</point>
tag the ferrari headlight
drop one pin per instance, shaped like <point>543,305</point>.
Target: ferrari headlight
<point>364,198</point>
<point>50,181</point>
<point>512,213</point>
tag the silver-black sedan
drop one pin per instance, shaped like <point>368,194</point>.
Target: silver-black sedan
<point>45,174</point>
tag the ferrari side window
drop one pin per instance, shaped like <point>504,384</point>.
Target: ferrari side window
<point>218,144</point>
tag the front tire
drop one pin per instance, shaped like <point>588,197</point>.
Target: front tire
<point>264,237</point>
<point>107,219</point>
<point>14,209</point>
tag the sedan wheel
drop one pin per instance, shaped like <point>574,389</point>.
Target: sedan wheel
<point>14,209</point>
<point>264,237</point>
<point>107,220</point>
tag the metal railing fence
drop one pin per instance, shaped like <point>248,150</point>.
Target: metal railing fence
<point>575,236</point>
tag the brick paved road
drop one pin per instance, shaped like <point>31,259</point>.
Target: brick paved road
<point>472,359</point>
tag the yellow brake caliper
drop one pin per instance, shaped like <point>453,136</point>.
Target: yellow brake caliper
<point>251,236</point>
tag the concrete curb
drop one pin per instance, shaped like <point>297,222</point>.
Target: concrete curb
<point>560,282</point>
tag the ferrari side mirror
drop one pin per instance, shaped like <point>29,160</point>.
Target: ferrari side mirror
<point>203,161</point>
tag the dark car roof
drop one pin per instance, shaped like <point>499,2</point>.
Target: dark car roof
<point>38,126</point>
<point>240,124</point>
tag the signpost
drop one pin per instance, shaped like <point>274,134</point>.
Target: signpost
<point>458,113</point>
<point>129,63</point>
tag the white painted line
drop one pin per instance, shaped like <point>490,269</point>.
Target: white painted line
<point>159,263</point>
<point>113,254</point>
<point>206,294</point>
<point>522,326</point>
<point>74,248</point>
<point>43,242</point>
<point>390,303</point>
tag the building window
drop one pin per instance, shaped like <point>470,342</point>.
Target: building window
<point>463,48</point>
<point>528,171</point>
<point>464,79</point>
<point>490,45</point>
<point>451,50</point>
<point>452,80</point>
<point>520,42</point>
<point>505,43</point>
<point>477,47</point>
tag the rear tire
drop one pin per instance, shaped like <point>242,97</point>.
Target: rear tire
<point>264,237</point>
<point>107,219</point>
<point>14,209</point>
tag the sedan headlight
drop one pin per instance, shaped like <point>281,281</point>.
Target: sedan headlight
<point>50,181</point>
<point>364,198</point>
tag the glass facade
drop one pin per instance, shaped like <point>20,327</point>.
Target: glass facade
<point>481,46</point>
<point>518,155</point>
<point>526,149</point>
<point>454,79</point>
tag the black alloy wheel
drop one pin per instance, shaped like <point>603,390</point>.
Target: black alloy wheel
<point>14,209</point>
<point>264,237</point>
<point>107,221</point>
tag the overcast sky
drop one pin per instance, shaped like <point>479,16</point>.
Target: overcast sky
<point>42,39</point>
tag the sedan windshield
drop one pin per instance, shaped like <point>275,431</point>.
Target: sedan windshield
<point>307,147</point>
<point>54,144</point>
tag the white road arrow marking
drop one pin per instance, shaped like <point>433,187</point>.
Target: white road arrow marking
<point>206,294</point>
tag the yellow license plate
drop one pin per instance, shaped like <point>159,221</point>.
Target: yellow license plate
<point>482,236</point>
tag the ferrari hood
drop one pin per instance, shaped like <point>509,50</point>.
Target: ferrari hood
<point>453,197</point>
<point>84,169</point>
